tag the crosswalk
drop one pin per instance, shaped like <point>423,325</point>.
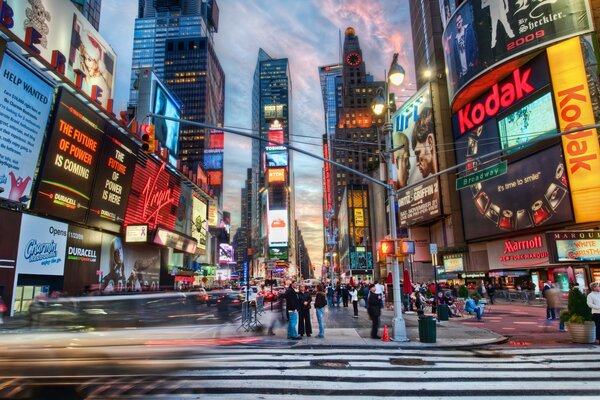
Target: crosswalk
<point>282,373</point>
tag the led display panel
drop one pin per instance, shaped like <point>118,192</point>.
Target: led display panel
<point>276,156</point>
<point>166,131</point>
<point>25,101</point>
<point>278,228</point>
<point>113,181</point>
<point>213,160</point>
<point>215,178</point>
<point>72,150</point>
<point>276,175</point>
<point>199,223</point>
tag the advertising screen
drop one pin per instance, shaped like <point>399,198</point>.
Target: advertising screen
<point>113,181</point>
<point>72,150</point>
<point>216,140</point>
<point>215,178</point>
<point>453,263</point>
<point>166,131</point>
<point>131,268</point>
<point>213,160</point>
<point>136,233</point>
<point>25,101</point>
<point>276,175</point>
<point>534,192</point>
<point>42,246</point>
<point>278,253</point>
<point>62,27</point>
<point>527,123</point>
<point>225,253</point>
<point>199,223</point>
<point>154,194</point>
<point>278,228</point>
<point>82,259</point>
<point>361,260</point>
<point>275,137</point>
<point>574,246</point>
<point>276,157</point>
<point>484,33</point>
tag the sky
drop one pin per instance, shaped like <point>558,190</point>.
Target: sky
<point>307,33</point>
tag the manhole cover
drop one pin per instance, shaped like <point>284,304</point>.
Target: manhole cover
<point>410,361</point>
<point>329,364</point>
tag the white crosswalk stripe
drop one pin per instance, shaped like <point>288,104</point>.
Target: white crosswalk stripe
<point>281,373</point>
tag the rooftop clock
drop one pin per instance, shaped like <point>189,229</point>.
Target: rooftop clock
<point>353,59</point>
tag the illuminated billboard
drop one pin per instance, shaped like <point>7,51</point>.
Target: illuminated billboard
<point>154,194</point>
<point>276,175</point>
<point>484,33</point>
<point>276,156</point>
<point>49,26</point>
<point>25,101</point>
<point>225,253</point>
<point>42,246</point>
<point>574,246</point>
<point>278,228</point>
<point>199,223</point>
<point>453,263</point>
<point>213,160</point>
<point>278,253</point>
<point>72,149</point>
<point>166,131</point>
<point>113,181</point>
<point>276,137</point>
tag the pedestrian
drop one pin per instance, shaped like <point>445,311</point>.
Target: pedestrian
<point>278,317</point>
<point>304,325</point>
<point>491,291</point>
<point>471,306</point>
<point>366,292</point>
<point>2,310</point>
<point>552,301</point>
<point>593,301</point>
<point>374,310</point>
<point>354,299</point>
<point>549,311</point>
<point>420,302</point>
<point>330,295</point>
<point>292,305</point>
<point>481,290</point>
<point>379,290</point>
<point>320,303</point>
<point>345,295</point>
<point>338,294</point>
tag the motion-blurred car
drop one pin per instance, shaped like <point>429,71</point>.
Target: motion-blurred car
<point>203,296</point>
<point>224,296</point>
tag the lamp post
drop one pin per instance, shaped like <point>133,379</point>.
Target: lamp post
<point>380,104</point>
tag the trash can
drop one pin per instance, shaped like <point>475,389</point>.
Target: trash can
<point>443,312</point>
<point>427,333</point>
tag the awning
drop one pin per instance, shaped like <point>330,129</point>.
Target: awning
<point>175,240</point>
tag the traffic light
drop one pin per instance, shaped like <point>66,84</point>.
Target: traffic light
<point>148,138</point>
<point>386,248</point>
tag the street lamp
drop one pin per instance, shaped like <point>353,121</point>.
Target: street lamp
<point>380,104</point>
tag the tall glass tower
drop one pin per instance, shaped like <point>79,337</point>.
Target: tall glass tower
<point>91,10</point>
<point>174,38</point>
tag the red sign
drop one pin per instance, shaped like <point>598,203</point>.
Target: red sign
<point>154,194</point>
<point>275,137</point>
<point>216,140</point>
<point>499,97</point>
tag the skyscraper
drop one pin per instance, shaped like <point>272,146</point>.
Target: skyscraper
<point>174,38</point>
<point>91,10</point>
<point>273,189</point>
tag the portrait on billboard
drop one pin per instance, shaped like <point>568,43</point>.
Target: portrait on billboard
<point>97,62</point>
<point>166,131</point>
<point>505,29</point>
<point>413,140</point>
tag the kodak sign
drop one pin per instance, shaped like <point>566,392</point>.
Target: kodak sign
<point>574,110</point>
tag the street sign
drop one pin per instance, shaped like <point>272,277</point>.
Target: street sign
<point>481,175</point>
<point>433,248</point>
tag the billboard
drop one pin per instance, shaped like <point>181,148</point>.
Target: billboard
<point>59,26</point>
<point>225,253</point>
<point>72,149</point>
<point>574,246</point>
<point>154,195</point>
<point>213,160</point>
<point>574,109</point>
<point>82,258</point>
<point>114,173</point>
<point>453,263</point>
<point>276,156</point>
<point>199,223</point>
<point>132,268</point>
<point>276,175</point>
<point>166,131</point>
<point>42,246</point>
<point>278,228</point>
<point>25,101</point>
<point>420,203</point>
<point>534,192</point>
<point>278,253</point>
<point>484,33</point>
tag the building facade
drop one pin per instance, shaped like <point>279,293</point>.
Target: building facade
<point>91,10</point>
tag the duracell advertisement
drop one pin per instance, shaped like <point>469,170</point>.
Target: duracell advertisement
<point>113,180</point>
<point>82,260</point>
<point>67,172</point>
<point>534,192</point>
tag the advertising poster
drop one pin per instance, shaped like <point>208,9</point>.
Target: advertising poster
<point>42,246</point>
<point>154,194</point>
<point>276,156</point>
<point>278,228</point>
<point>574,246</point>
<point>129,268</point>
<point>166,131</point>
<point>534,192</point>
<point>82,261</point>
<point>25,101</point>
<point>213,160</point>
<point>483,33</point>
<point>72,150</point>
<point>225,253</point>
<point>62,27</point>
<point>420,203</point>
<point>420,236</point>
<point>361,260</point>
<point>199,223</point>
<point>184,223</point>
<point>113,181</point>
<point>278,253</point>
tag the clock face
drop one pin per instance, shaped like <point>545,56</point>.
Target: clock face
<point>353,59</point>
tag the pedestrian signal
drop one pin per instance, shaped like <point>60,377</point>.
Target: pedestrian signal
<point>148,144</point>
<point>386,248</point>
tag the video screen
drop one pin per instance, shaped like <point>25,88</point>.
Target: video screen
<point>166,131</point>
